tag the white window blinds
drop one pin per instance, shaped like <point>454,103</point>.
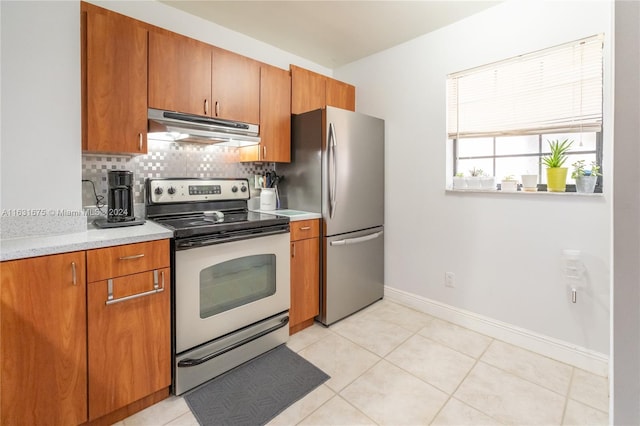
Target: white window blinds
<point>556,90</point>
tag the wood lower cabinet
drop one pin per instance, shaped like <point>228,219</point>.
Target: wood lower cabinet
<point>310,91</point>
<point>43,341</point>
<point>305,274</point>
<point>275,118</point>
<point>114,71</point>
<point>129,324</point>
<point>129,340</point>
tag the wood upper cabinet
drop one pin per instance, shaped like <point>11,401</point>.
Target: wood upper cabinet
<point>43,351</point>
<point>235,87</point>
<point>129,324</point>
<point>114,74</point>
<point>340,94</point>
<point>305,274</point>
<point>275,118</point>
<point>179,74</point>
<point>310,91</point>
<point>189,76</point>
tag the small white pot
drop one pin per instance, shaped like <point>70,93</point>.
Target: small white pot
<point>474,182</point>
<point>586,184</point>
<point>529,182</point>
<point>459,182</point>
<point>509,185</point>
<point>488,182</point>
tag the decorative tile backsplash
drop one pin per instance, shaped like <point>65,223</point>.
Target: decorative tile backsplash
<point>165,160</point>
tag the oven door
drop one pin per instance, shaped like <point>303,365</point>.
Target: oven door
<point>223,287</point>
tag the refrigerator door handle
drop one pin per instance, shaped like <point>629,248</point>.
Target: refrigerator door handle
<point>333,175</point>
<point>356,240</point>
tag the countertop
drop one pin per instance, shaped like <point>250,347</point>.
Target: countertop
<point>293,215</point>
<point>20,248</point>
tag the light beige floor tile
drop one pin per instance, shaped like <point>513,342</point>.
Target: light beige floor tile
<point>378,336</point>
<point>340,358</point>
<point>459,338</point>
<point>308,336</point>
<point>456,413</point>
<point>187,419</point>
<point>400,315</point>
<point>536,368</point>
<point>578,414</point>
<point>391,396</point>
<point>337,412</point>
<point>590,389</point>
<point>163,412</point>
<point>302,408</point>
<point>510,399</point>
<point>432,362</point>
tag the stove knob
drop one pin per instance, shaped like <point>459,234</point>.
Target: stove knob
<point>243,188</point>
<point>158,191</point>
<point>234,189</point>
<point>171,190</point>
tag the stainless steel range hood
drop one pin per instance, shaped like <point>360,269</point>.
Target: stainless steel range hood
<point>176,126</point>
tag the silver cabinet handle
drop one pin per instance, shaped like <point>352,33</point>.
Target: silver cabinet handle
<point>74,275</point>
<point>135,256</point>
<point>156,289</point>
<point>305,228</point>
<point>356,240</point>
<point>206,107</point>
<point>333,176</point>
<point>139,141</point>
<point>217,109</point>
<point>264,152</point>
<point>293,249</point>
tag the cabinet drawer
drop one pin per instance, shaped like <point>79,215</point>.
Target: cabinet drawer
<point>304,229</point>
<point>126,259</point>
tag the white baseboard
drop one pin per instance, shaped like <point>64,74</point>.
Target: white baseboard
<point>562,351</point>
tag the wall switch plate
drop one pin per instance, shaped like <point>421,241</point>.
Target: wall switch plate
<point>449,279</point>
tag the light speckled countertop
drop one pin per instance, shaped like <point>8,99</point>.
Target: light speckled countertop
<point>293,215</point>
<point>19,248</point>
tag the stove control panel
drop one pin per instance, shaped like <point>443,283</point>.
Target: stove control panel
<point>185,190</point>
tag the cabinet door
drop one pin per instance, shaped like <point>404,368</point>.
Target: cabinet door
<point>235,87</point>
<point>305,272</point>
<point>179,74</point>
<point>129,340</point>
<point>116,84</point>
<point>43,351</point>
<point>275,118</point>
<point>308,91</point>
<point>341,95</point>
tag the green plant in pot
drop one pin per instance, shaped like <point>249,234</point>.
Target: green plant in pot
<point>556,174</point>
<point>585,178</point>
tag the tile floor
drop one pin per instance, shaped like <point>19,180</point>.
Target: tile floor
<point>391,365</point>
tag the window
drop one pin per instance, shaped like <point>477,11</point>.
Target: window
<point>501,116</point>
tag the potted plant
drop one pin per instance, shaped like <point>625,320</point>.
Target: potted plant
<point>585,178</point>
<point>556,174</point>
<point>459,181</point>
<point>509,183</point>
<point>474,181</point>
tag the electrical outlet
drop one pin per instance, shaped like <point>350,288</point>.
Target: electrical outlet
<point>449,279</point>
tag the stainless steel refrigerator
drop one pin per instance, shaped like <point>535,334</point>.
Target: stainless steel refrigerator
<point>337,169</point>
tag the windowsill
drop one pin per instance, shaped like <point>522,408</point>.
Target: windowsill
<point>525,193</point>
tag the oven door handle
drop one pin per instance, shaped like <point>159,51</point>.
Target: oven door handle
<point>190,362</point>
<point>189,244</point>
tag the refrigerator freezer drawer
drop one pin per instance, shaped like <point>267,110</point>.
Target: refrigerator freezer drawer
<point>353,275</point>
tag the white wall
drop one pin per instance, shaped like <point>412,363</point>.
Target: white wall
<point>626,248</point>
<point>504,249</point>
<point>40,133</point>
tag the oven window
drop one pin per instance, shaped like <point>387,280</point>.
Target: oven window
<point>236,282</point>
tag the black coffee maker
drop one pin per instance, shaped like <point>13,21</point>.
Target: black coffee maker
<point>120,201</point>
<point>120,196</point>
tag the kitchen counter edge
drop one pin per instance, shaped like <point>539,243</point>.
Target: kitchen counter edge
<point>22,248</point>
<point>293,218</point>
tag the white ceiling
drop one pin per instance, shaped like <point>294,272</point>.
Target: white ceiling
<point>332,33</point>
